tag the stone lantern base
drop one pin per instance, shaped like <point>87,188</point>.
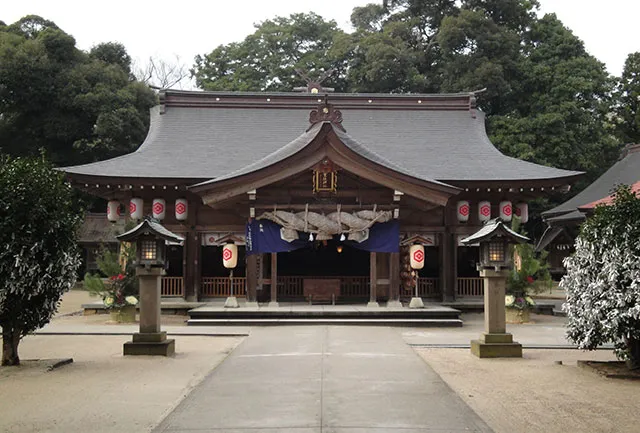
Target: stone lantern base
<point>496,346</point>
<point>150,343</point>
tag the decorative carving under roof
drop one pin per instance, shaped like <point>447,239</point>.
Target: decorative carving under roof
<point>326,113</point>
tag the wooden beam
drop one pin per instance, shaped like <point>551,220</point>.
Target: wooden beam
<point>274,277</point>
<point>252,277</point>
<point>373,278</point>
<point>394,277</point>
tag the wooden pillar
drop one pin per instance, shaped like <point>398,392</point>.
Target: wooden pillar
<point>252,278</point>
<point>191,265</point>
<point>394,280</point>
<point>373,280</point>
<point>274,280</point>
<point>448,259</point>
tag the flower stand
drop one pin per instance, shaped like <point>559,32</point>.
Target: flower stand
<point>517,315</point>
<point>125,314</point>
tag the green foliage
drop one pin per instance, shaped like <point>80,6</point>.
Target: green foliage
<point>532,274</point>
<point>603,279</point>
<point>79,107</point>
<point>39,255</point>
<point>121,283</point>
<point>628,98</point>
<point>547,100</point>
<point>268,58</point>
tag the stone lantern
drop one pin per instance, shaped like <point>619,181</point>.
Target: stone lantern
<point>495,261</point>
<point>150,237</point>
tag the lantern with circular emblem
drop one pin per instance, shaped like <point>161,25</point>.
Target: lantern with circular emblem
<point>484,211</point>
<point>113,210</point>
<point>230,256</point>
<point>182,209</point>
<point>522,211</point>
<point>463,211</point>
<point>416,255</point>
<point>506,210</point>
<point>135,208</point>
<point>158,208</point>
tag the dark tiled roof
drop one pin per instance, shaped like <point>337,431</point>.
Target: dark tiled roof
<point>491,229</point>
<point>625,171</point>
<point>97,229</point>
<point>151,226</point>
<point>441,140</point>
<point>306,138</point>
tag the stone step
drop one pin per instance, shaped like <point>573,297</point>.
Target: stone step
<point>327,321</point>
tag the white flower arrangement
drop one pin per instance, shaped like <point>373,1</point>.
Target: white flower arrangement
<point>131,300</point>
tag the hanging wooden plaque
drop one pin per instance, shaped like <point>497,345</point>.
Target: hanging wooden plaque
<point>325,178</point>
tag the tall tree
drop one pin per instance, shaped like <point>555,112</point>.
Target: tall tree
<point>628,100</point>
<point>563,101</point>
<point>38,251</point>
<point>77,106</point>
<point>268,58</point>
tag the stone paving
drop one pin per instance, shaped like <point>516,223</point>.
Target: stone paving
<point>323,379</point>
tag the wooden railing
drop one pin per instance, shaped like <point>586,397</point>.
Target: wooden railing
<point>354,287</point>
<point>220,287</point>
<point>429,288</point>
<point>470,287</point>
<point>290,287</point>
<point>172,286</point>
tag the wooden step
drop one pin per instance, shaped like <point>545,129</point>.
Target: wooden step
<point>326,321</point>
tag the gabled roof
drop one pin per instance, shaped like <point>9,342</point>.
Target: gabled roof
<point>625,171</point>
<point>208,135</point>
<point>494,228</point>
<point>635,188</point>
<point>149,226</point>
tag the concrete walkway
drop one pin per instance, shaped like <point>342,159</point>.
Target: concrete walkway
<point>323,379</point>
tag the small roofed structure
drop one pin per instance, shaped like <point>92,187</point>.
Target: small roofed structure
<point>564,220</point>
<point>492,229</point>
<point>150,227</point>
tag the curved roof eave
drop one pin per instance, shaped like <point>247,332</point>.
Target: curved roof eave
<point>307,138</point>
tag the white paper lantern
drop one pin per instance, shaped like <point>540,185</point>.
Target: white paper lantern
<point>463,211</point>
<point>136,208</point>
<point>230,256</point>
<point>416,254</point>
<point>159,208</point>
<point>113,210</point>
<point>522,211</point>
<point>506,210</point>
<point>484,211</point>
<point>182,209</point>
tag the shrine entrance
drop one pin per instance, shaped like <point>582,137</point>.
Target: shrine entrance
<point>325,271</point>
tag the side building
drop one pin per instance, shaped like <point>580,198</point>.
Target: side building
<point>323,193</point>
<point>563,221</point>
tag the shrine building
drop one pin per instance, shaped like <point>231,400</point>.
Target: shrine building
<point>322,194</point>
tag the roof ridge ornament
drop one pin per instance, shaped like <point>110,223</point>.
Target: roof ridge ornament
<point>326,113</point>
<point>314,86</point>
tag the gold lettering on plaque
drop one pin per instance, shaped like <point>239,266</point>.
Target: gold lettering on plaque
<point>325,178</point>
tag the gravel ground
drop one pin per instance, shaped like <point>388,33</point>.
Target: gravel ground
<point>101,391</point>
<point>536,395</point>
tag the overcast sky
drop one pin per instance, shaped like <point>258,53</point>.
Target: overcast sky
<point>165,29</point>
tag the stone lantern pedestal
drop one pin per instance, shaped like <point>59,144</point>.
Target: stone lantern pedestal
<point>150,340</point>
<point>496,342</point>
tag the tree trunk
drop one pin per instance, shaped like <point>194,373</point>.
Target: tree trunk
<point>10,341</point>
<point>633,348</point>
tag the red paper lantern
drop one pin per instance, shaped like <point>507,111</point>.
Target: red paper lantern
<point>136,208</point>
<point>463,211</point>
<point>506,210</point>
<point>182,209</point>
<point>113,210</point>
<point>484,211</point>
<point>522,211</point>
<point>158,208</point>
